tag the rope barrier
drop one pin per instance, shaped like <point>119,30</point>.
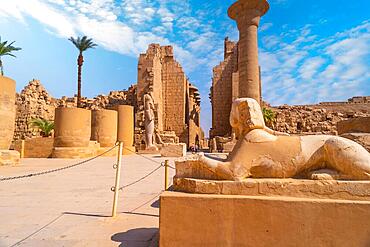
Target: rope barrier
<point>57,169</point>
<point>141,179</point>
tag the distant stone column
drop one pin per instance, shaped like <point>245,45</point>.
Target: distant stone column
<point>247,14</point>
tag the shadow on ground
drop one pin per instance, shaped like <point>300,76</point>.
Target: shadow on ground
<point>155,204</point>
<point>140,237</point>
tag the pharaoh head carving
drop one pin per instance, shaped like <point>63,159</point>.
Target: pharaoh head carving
<point>246,115</point>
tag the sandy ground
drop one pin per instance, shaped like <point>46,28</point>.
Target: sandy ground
<point>73,207</point>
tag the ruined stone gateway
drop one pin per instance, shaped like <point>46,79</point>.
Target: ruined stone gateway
<point>177,101</point>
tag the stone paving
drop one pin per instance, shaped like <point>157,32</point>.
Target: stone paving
<point>73,207</point>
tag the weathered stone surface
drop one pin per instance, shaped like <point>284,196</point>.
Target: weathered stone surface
<point>173,150</point>
<point>223,86</point>
<point>38,147</point>
<point>76,152</point>
<point>321,118</point>
<point>34,102</point>
<point>346,190</point>
<point>233,220</point>
<point>176,101</point>
<point>7,111</point>
<point>355,125</point>
<point>263,153</point>
<point>9,157</point>
<point>361,138</point>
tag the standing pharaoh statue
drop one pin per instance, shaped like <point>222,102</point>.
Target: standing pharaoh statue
<point>149,121</point>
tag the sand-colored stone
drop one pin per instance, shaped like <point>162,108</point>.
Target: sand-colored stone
<point>126,126</point>
<point>173,150</point>
<point>104,152</point>
<point>173,95</point>
<point>361,138</point>
<point>72,127</point>
<point>76,152</point>
<point>247,14</point>
<point>33,102</point>
<point>232,220</point>
<point>355,125</point>
<point>263,153</point>
<point>104,127</point>
<point>9,157</point>
<point>40,147</point>
<point>7,111</point>
<point>341,190</point>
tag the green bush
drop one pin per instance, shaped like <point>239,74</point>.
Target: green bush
<point>46,127</point>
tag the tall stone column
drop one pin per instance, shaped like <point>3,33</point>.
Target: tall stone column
<point>247,14</point>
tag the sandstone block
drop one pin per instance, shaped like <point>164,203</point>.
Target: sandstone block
<point>173,150</point>
<point>361,138</point>
<point>230,220</point>
<point>361,124</point>
<point>9,157</point>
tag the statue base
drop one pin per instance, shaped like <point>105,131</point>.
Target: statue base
<point>279,220</point>
<point>151,150</point>
<point>173,150</point>
<point>9,157</point>
<point>76,152</point>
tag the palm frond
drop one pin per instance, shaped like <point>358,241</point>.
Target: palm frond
<point>45,126</point>
<point>7,49</point>
<point>82,44</point>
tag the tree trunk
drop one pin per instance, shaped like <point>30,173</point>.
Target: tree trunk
<point>80,63</point>
<point>2,68</point>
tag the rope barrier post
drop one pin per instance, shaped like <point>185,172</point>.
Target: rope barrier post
<point>117,182</point>
<point>165,174</point>
<point>22,148</point>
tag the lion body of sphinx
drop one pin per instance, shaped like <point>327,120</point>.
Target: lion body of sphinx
<point>295,157</point>
<point>263,153</point>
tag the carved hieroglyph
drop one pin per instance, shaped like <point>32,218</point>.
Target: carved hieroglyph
<point>263,153</point>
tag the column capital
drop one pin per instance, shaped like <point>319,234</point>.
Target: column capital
<point>248,12</point>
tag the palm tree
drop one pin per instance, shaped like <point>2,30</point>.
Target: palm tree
<point>45,126</point>
<point>6,50</point>
<point>269,116</point>
<point>82,44</point>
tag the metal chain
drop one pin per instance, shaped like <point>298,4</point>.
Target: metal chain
<point>140,179</point>
<point>57,169</point>
<point>154,161</point>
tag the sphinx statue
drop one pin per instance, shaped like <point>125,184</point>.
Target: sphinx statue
<point>263,153</point>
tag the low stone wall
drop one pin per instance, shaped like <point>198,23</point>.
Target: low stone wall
<point>173,150</point>
<point>355,125</point>
<point>36,147</point>
<point>9,157</point>
<point>313,119</point>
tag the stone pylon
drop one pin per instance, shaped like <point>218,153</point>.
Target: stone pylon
<point>247,14</point>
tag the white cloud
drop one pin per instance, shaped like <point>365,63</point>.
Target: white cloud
<point>127,27</point>
<point>334,68</point>
<point>265,26</point>
<point>310,67</point>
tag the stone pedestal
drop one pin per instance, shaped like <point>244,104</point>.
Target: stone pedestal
<point>233,220</point>
<point>72,127</point>
<point>40,147</point>
<point>247,14</point>
<point>76,152</point>
<point>9,157</point>
<point>173,150</point>
<point>104,127</point>
<point>7,111</point>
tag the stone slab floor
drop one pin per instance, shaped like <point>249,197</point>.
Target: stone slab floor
<point>72,207</point>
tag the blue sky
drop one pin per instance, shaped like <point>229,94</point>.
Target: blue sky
<point>310,50</point>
